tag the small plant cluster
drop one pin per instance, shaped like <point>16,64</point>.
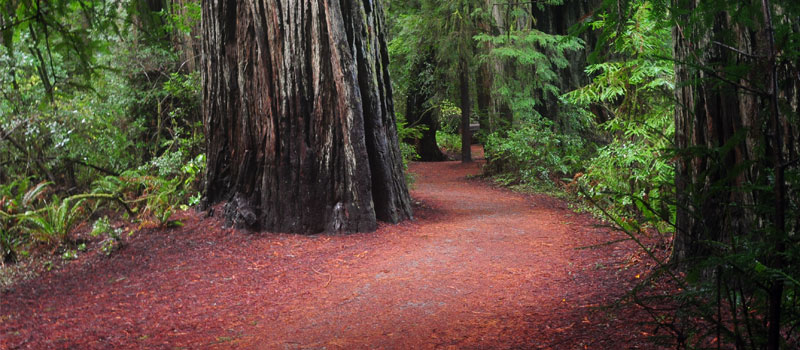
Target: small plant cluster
<point>405,131</point>
<point>533,154</point>
<point>32,215</point>
<point>450,143</point>
<point>112,237</point>
<point>157,190</point>
<point>29,216</point>
<point>449,117</point>
<point>16,199</point>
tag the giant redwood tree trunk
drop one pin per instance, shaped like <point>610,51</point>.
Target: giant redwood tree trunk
<point>299,117</point>
<point>724,127</point>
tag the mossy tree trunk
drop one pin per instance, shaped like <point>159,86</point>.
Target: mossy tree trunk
<point>298,115</point>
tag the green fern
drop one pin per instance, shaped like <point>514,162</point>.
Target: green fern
<point>16,198</point>
<point>8,244</point>
<point>630,173</point>
<point>53,223</point>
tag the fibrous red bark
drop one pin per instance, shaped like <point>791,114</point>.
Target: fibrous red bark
<point>298,114</point>
<point>724,127</point>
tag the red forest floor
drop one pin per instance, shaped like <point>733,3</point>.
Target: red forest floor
<point>479,268</point>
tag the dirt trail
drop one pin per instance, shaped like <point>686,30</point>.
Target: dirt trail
<point>480,268</point>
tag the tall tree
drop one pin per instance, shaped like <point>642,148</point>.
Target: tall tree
<point>731,114</point>
<point>419,109</point>
<point>462,23</point>
<point>566,18</point>
<point>298,114</point>
<point>737,127</point>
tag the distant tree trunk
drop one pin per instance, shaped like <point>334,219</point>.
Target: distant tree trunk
<point>558,19</point>
<point>466,111</point>
<point>723,130</point>
<point>147,20</point>
<point>494,113</point>
<point>188,44</point>
<point>298,114</point>
<point>419,111</point>
<point>484,77</point>
<point>483,96</point>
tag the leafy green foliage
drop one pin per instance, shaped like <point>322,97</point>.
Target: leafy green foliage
<point>538,56</point>
<point>112,236</point>
<point>52,224</point>
<point>533,153</point>
<point>86,98</point>
<point>631,176</point>
<point>71,110</point>
<point>182,20</point>
<point>51,50</point>
<point>60,38</point>
<point>448,142</point>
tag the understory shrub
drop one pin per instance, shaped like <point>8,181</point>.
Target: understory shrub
<point>16,198</point>
<point>533,153</point>
<point>52,224</point>
<point>160,188</point>
<point>448,142</point>
<point>112,237</point>
<point>631,176</point>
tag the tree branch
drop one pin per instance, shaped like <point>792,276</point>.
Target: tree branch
<point>737,50</point>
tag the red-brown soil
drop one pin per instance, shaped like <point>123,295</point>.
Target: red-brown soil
<point>479,268</point>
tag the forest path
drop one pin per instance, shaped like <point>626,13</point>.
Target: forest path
<point>480,268</point>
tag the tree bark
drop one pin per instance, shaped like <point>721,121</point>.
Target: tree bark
<point>484,76</point>
<point>735,130</point>
<point>466,111</point>
<point>558,19</point>
<point>722,128</point>
<point>483,91</point>
<point>494,114</point>
<point>187,44</point>
<point>298,114</point>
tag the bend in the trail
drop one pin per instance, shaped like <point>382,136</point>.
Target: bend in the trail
<point>480,268</point>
